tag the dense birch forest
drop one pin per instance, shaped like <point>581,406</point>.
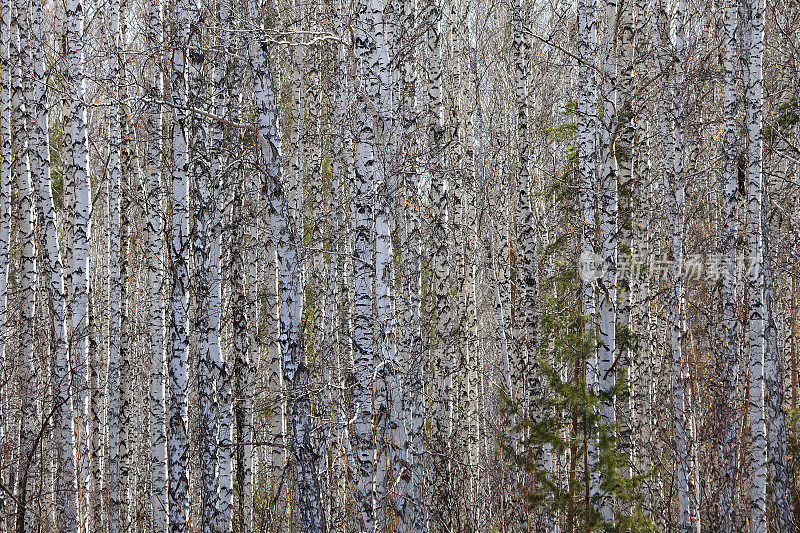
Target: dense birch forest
<point>399,266</point>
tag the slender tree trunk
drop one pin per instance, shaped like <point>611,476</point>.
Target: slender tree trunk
<point>671,118</point>
<point>6,166</point>
<point>527,301</point>
<point>730,326</point>
<point>205,252</point>
<point>290,287</point>
<point>95,513</point>
<point>227,101</point>
<point>754,47</point>
<point>155,271</point>
<point>779,471</point>
<point>115,280</point>
<point>388,390</point>
<point>627,66</point>
<point>442,349</point>
<point>369,15</point>
<point>78,172</point>
<point>411,349</point>
<point>178,442</point>
<point>38,134</point>
<point>607,216</point>
<point>128,320</point>
<point>587,176</point>
<point>27,374</point>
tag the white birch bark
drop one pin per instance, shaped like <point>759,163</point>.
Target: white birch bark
<point>410,353</point>
<point>335,307</point>
<point>388,395</point>
<point>607,295</point>
<point>128,424</point>
<point>225,93</point>
<point>491,257</point>
<point>607,217</point>
<point>115,281</point>
<point>277,452</point>
<point>78,173</point>
<point>39,157</point>
<point>779,470</point>
<point>368,14</point>
<point>155,281</point>
<point>754,47</point>
<point>296,167</point>
<point>627,63</point>
<point>26,376</point>
<point>587,172</point>
<point>95,513</point>
<point>230,378</point>
<point>178,443</point>
<point>290,284</point>
<point>6,165</point>
<point>341,169</point>
<point>671,118</point>
<point>730,326</point>
<point>205,251</point>
<point>442,349</point>
<point>472,102</point>
<point>527,286</point>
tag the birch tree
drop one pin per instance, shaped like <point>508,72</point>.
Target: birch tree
<point>368,14</point>
<point>730,327</point>
<point>205,250</point>
<point>179,249</point>
<point>587,143</point>
<point>290,285</point>
<point>39,158</point>
<point>78,175</point>
<point>156,255</point>
<point>754,46</point>
<point>6,165</point>
<point>26,376</point>
<point>459,293</point>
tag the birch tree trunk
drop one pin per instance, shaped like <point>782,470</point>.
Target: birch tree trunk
<point>673,160</point>
<point>392,424</point>
<point>205,250</point>
<point>411,349</point>
<point>628,66</point>
<point>779,471</point>
<point>730,326</point>
<point>96,363</point>
<point>337,293</point>
<point>39,157</point>
<point>607,217</point>
<point>442,349</point>
<point>78,172</point>
<point>388,393</point>
<point>26,376</point>
<point>607,295</point>
<point>179,250</point>
<point>128,319</point>
<point>290,286</point>
<point>115,289</point>
<point>155,272</point>
<point>6,166</point>
<point>225,93</point>
<point>754,46</point>
<point>527,306</point>
<point>587,176</point>
<point>369,15</point>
